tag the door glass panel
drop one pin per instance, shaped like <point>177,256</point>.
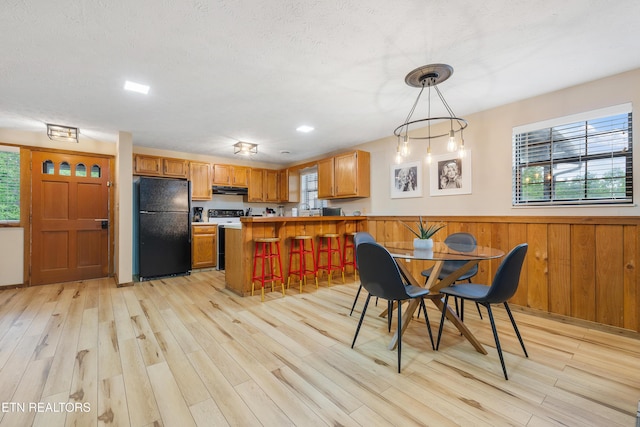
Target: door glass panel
<point>65,169</point>
<point>47,167</point>
<point>81,170</point>
<point>95,171</point>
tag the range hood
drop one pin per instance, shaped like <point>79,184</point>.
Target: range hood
<point>219,189</point>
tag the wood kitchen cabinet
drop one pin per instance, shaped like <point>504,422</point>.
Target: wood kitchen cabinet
<point>232,175</point>
<point>326,178</point>
<point>270,186</point>
<point>264,185</point>
<point>203,246</point>
<point>345,176</point>
<point>159,166</point>
<point>256,183</point>
<point>200,177</point>
<point>289,185</point>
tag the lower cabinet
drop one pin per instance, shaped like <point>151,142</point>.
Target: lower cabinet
<point>203,246</point>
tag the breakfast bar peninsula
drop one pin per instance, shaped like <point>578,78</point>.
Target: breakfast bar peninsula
<point>239,243</point>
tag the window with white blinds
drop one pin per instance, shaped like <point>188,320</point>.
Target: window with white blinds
<point>9,184</point>
<point>580,160</point>
<point>309,189</point>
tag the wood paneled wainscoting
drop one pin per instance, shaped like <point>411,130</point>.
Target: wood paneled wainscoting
<point>579,267</point>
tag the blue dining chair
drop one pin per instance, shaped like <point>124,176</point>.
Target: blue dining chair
<point>462,242</point>
<point>360,237</point>
<point>381,277</point>
<point>504,286</point>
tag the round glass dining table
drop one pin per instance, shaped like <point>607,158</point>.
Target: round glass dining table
<point>440,253</point>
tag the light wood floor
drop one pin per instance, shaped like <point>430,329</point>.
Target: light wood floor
<point>184,351</point>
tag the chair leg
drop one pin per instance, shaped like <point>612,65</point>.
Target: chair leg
<point>495,337</point>
<point>515,328</point>
<point>479,312</point>
<point>444,311</point>
<point>364,310</point>
<point>389,314</point>
<point>426,318</point>
<point>399,332</point>
<point>355,300</point>
<point>461,314</point>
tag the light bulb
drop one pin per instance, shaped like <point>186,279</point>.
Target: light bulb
<point>405,146</point>
<point>429,154</point>
<point>461,151</point>
<point>451,144</point>
<point>398,156</point>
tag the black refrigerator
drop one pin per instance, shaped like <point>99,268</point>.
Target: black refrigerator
<point>163,227</point>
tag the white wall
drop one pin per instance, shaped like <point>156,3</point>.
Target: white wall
<point>11,256</point>
<point>124,209</point>
<point>489,139</point>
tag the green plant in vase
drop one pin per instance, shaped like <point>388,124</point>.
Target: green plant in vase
<point>424,232</point>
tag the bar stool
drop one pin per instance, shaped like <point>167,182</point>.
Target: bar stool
<point>349,244</point>
<point>301,250</point>
<point>268,250</point>
<point>327,246</point>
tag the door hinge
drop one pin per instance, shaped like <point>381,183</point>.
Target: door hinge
<point>108,183</point>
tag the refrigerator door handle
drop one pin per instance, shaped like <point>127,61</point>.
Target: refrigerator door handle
<point>147,212</point>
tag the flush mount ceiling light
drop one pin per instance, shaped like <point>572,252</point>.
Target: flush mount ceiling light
<point>245,148</point>
<point>62,133</point>
<point>304,128</point>
<point>429,76</point>
<point>136,87</point>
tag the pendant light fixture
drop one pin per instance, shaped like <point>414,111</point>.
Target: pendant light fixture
<point>430,76</point>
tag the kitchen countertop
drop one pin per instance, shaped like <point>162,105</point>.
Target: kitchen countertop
<point>259,219</point>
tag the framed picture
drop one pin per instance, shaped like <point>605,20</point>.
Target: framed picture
<point>449,175</point>
<point>406,180</point>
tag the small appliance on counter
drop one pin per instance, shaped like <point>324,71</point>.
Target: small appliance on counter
<point>331,211</point>
<point>197,214</point>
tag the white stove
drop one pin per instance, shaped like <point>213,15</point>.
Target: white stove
<point>223,217</point>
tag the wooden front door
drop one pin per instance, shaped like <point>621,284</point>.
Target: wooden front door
<point>70,217</point>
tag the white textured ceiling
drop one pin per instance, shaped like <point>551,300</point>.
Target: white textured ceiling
<point>227,70</point>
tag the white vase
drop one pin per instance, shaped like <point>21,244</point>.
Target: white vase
<point>423,244</point>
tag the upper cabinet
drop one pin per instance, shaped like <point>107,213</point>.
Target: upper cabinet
<point>326,178</point>
<point>200,177</point>
<point>270,186</point>
<point>344,176</point>
<point>235,176</point>
<point>175,168</point>
<point>158,166</point>
<point>289,185</point>
<point>256,184</point>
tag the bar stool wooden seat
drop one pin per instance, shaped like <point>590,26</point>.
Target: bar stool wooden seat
<point>298,247</point>
<point>349,245</point>
<point>328,247</point>
<point>267,250</point>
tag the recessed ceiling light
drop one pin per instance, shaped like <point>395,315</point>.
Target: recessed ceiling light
<point>136,87</point>
<point>304,128</point>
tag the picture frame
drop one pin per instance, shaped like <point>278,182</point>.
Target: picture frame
<point>450,175</point>
<point>406,180</point>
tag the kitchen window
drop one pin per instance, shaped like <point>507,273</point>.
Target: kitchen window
<point>309,190</point>
<point>579,160</point>
<point>9,184</point>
